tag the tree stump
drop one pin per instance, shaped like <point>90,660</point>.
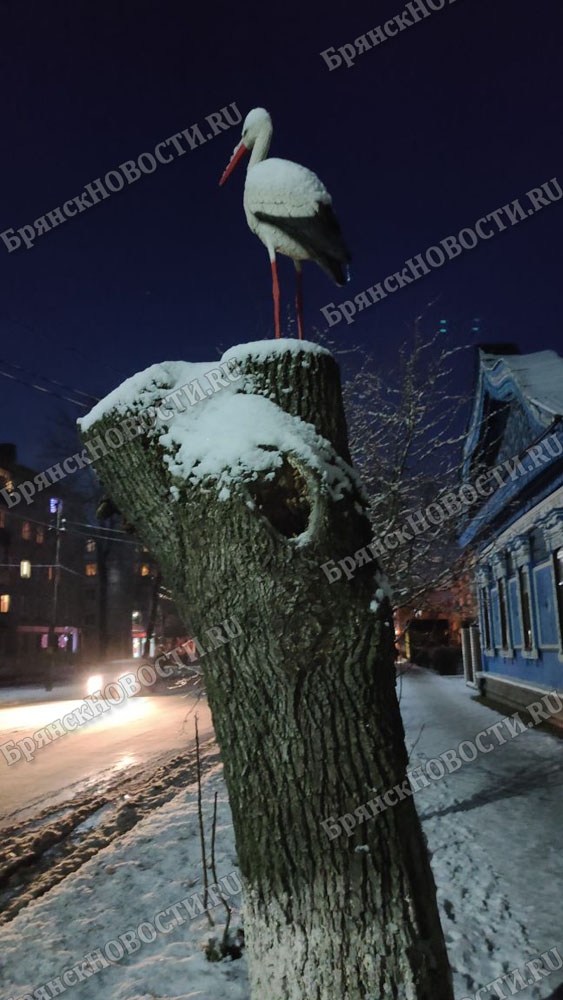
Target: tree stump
<point>303,701</point>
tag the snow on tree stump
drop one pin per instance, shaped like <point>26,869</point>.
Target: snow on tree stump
<point>242,495</point>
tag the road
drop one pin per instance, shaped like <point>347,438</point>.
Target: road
<point>140,732</point>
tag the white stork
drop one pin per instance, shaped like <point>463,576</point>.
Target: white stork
<point>289,209</point>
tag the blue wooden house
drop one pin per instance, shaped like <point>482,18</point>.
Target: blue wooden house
<point>513,528</point>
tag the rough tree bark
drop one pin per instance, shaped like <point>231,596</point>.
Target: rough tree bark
<point>303,703</point>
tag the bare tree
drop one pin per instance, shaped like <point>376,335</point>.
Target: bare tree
<point>407,428</point>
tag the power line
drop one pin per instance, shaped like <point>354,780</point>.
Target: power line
<point>64,347</point>
<point>41,388</point>
<point>47,378</point>
<point>102,537</point>
<point>72,531</point>
<point>40,566</point>
<point>98,527</point>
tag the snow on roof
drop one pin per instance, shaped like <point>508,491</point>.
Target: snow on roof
<point>538,377</point>
<point>229,436</point>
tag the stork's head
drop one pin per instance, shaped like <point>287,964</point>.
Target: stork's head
<point>257,124</point>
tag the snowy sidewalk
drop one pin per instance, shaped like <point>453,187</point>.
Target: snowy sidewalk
<point>495,830</point>
<point>493,826</point>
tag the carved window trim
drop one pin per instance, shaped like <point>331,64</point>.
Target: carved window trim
<point>500,575</point>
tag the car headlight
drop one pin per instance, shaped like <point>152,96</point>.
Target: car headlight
<point>94,683</point>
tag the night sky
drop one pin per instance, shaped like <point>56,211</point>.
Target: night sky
<point>448,121</point>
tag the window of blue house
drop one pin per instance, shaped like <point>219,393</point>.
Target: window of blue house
<point>546,606</point>
<point>486,616</point>
<point>503,613</point>
<point>495,618</point>
<point>515,616</point>
<point>558,561</point>
<point>526,602</point>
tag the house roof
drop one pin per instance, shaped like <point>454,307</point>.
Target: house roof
<point>534,380</point>
<point>534,383</point>
<point>537,378</point>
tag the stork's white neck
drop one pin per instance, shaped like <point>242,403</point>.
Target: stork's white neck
<point>262,145</point>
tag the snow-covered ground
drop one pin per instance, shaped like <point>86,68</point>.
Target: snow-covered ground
<point>153,867</point>
<point>494,829</point>
<point>493,826</point>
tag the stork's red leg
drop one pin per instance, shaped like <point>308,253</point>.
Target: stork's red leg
<point>299,298</point>
<point>276,294</point>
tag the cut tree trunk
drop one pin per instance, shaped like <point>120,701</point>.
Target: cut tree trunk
<point>303,700</point>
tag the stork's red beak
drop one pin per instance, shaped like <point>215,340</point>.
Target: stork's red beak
<point>240,151</point>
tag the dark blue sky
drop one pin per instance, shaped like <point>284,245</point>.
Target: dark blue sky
<point>448,121</point>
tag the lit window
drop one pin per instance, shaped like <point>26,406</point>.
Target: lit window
<point>4,604</point>
<point>91,569</point>
<point>2,519</point>
<point>26,530</point>
<point>25,569</point>
<point>39,534</point>
<point>90,545</point>
<point>50,572</point>
<point>6,481</point>
<point>145,569</point>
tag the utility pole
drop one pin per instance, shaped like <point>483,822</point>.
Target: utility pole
<point>52,644</point>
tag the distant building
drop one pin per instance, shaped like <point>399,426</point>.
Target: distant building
<point>428,632</point>
<point>40,607</point>
<point>72,591</point>
<point>514,458</point>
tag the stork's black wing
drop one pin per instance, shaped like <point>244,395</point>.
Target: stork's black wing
<point>320,235</point>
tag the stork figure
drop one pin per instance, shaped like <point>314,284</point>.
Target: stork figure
<point>289,209</point>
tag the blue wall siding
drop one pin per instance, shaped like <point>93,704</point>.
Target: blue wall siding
<point>546,670</point>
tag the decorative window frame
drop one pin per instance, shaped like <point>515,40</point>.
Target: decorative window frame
<point>546,562</point>
<point>500,572</point>
<point>522,556</point>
